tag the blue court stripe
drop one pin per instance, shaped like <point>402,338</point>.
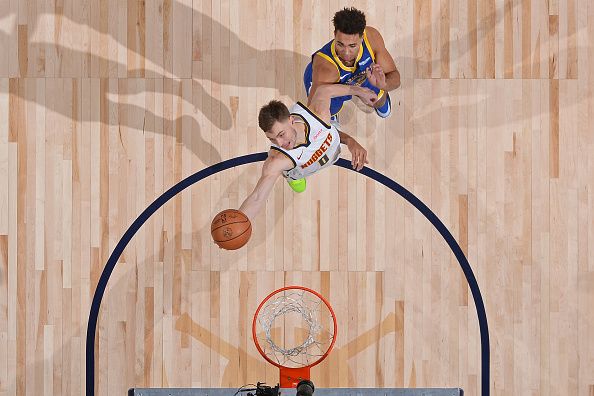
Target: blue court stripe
<point>451,241</point>
<point>246,159</point>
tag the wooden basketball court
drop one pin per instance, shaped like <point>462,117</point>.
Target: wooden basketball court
<point>104,105</point>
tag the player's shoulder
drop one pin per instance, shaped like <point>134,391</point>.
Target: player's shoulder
<point>295,106</point>
<point>373,36</point>
<point>275,156</point>
<point>277,161</point>
<point>323,63</point>
<point>309,113</point>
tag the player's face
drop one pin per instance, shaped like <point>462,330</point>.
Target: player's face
<point>347,46</point>
<point>283,134</point>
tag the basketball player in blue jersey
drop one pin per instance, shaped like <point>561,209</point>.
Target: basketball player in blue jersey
<point>303,141</point>
<point>356,56</point>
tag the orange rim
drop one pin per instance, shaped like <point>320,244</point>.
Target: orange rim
<point>255,338</point>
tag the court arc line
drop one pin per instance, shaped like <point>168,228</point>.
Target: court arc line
<point>256,157</point>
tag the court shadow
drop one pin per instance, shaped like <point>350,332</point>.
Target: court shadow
<point>239,60</point>
<point>238,358</point>
<point>258,71</point>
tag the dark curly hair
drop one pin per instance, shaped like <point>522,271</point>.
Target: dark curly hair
<point>272,112</point>
<point>349,21</point>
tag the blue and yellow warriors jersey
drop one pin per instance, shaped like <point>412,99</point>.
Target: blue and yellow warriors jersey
<point>354,75</point>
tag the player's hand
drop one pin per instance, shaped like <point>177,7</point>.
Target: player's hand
<point>367,96</point>
<point>375,75</point>
<point>359,155</point>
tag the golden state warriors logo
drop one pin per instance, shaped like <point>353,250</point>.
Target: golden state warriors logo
<point>356,79</point>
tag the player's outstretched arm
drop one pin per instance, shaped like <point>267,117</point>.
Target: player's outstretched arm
<point>319,102</point>
<point>323,73</point>
<point>358,153</point>
<point>273,167</point>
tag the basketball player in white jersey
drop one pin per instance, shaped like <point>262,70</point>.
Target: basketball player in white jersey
<point>303,141</point>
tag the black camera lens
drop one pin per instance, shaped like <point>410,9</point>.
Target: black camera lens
<point>305,388</point>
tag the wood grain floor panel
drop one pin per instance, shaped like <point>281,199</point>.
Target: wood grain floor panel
<point>106,105</point>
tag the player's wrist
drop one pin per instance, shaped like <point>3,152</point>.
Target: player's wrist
<point>380,85</point>
<point>357,90</point>
<point>345,139</point>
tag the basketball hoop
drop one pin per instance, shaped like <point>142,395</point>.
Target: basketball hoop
<point>294,328</point>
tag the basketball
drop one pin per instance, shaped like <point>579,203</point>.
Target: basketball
<point>231,229</point>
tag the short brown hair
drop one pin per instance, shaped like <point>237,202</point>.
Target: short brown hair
<point>349,21</point>
<point>274,111</point>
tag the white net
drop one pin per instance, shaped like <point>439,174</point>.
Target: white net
<point>296,328</point>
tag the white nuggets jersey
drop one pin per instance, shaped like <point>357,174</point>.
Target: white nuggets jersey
<point>320,149</point>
